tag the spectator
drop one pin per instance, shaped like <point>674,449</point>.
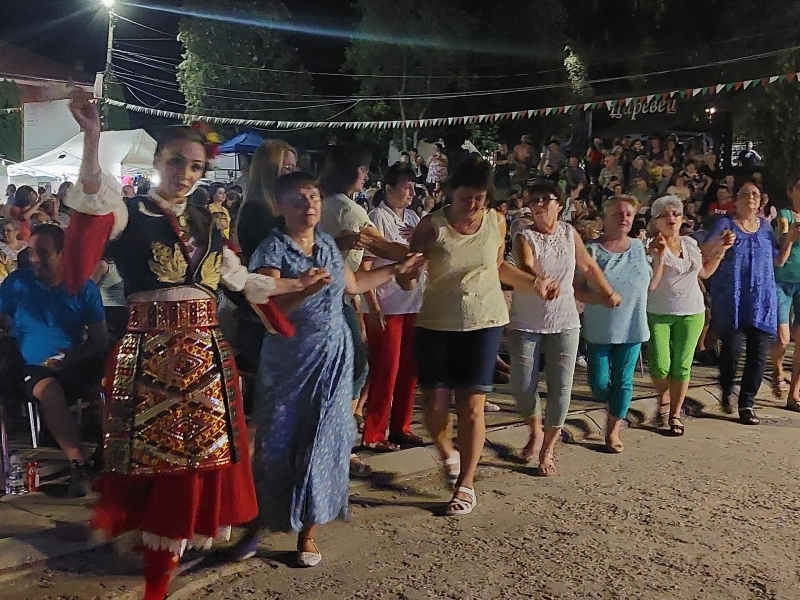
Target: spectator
<point>638,170</point>
<point>749,157</point>
<point>128,191</point>
<point>554,156</point>
<point>667,176</point>
<point>502,168</point>
<point>14,252</point>
<point>405,158</point>
<point>614,335</point>
<point>679,189</point>
<point>611,169</point>
<point>654,151</point>
<point>62,339</point>
<point>437,165</point>
<point>523,158</point>
<point>26,203</point>
<point>574,175</point>
<point>767,210</point>
<point>724,204</point>
<point>216,207</point>
<point>595,156</point>
<point>642,193</point>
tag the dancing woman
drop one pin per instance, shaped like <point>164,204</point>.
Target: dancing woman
<point>177,466</point>
<point>305,430</point>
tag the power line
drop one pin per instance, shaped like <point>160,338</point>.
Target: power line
<point>132,22</point>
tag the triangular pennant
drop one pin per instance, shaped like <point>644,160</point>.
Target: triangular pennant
<point>791,76</point>
<point>738,85</point>
<point>764,80</point>
<point>781,78</point>
<point>672,93</point>
<point>682,93</point>
<point>642,99</point>
<point>747,83</point>
<point>728,87</point>
<point>561,110</point>
<point>451,121</point>
<point>696,91</point>
<point>608,104</point>
<point>628,101</point>
<point>773,79</point>
<point>720,87</point>
<point>666,95</point>
<point>570,107</point>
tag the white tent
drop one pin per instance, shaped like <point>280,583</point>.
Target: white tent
<point>121,153</point>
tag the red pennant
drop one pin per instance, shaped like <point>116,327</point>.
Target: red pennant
<point>738,85</point>
<point>765,81</point>
<point>642,99</point>
<point>791,76</point>
<point>621,101</point>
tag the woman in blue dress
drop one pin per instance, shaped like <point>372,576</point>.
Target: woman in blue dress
<point>305,427</point>
<point>744,304</point>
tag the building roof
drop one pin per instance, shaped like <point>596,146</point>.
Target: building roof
<point>25,66</point>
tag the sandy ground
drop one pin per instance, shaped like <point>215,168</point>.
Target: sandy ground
<point>711,515</point>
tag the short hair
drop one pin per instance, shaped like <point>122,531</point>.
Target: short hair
<point>544,190</point>
<point>397,174</point>
<point>22,196</point>
<point>213,188</point>
<point>475,173</point>
<point>340,170</point>
<point>615,199</point>
<point>53,231</point>
<point>294,181</point>
<point>13,222</point>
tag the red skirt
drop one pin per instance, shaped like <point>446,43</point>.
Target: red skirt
<point>175,440</point>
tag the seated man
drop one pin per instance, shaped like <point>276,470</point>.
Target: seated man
<point>62,340</point>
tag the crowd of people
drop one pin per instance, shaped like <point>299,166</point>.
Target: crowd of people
<point>317,307</point>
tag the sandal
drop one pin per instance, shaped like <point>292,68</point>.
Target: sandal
<point>382,446</point>
<point>308,559</point>
<point>406,439</point>
<point>793,405</point>
<point>779,387</point>
<point>544,469</point>
<point>452,467</point>
<point>458,507</point>
<point>358,468</point>
<point>675,426</point>
<point>660,420</point>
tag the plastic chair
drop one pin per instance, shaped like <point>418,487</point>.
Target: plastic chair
<point>35,418</point>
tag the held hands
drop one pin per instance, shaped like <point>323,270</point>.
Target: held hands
<point>351,240</point>
<point>547,288</point>
<point>314,280</point>
<point>85,114</point>
<point>411,267</point>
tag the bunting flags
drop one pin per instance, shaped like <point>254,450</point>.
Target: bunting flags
<point>469,119</point>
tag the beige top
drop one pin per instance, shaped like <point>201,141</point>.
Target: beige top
<point>463,290</point>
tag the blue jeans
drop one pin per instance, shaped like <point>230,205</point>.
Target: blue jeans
<point>611,369</point>
<point>560,351</point>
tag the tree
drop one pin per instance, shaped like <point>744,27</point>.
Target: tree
<point>773,121</point>
<point>10,123</point>
<point>241,71</point>
<point>425,60</point>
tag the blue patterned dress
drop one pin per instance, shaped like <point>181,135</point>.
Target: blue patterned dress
<point>302,407</point>
<point>743,290</point>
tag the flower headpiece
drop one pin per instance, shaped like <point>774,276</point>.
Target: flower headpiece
<point>212,139</point>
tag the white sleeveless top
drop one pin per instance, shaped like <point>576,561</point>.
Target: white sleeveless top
<point>554,256</point>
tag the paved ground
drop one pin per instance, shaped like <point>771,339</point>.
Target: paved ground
<point>711,515</point>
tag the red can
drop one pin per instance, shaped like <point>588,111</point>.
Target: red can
<point>33,476</point>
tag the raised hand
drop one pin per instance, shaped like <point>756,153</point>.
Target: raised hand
<point>85,114</point>
<point>658,245</point>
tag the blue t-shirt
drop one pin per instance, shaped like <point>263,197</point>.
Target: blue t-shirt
<point>44,319</point>
<point>629,275</point>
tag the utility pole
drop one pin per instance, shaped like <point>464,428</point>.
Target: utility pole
<point>112,22</point>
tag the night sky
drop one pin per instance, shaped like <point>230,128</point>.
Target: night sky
<point>75,30</point>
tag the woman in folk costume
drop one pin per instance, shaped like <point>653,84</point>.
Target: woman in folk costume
<point>177,466</point>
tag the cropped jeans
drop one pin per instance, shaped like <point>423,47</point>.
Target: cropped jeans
<point>560,351</point>
<point>611,370</point>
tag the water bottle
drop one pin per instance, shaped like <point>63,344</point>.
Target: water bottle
<point>16,476</point>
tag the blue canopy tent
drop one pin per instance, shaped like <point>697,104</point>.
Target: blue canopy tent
<point>244,143</point>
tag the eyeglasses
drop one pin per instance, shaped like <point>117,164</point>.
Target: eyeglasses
<point>749,194</point>
<point>543,200</point>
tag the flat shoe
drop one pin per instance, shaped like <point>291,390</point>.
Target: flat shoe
<point>309,559</point>
<point>382,446</point>
<point>406,439</point>
<point>747,416</point>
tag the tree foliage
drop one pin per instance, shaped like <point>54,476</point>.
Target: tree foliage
<point>230,69</point>
<point>11,123</point>
<point>118,118</point>
<point>411,64</point>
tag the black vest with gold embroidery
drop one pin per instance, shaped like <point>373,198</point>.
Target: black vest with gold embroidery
<point>150,256</point>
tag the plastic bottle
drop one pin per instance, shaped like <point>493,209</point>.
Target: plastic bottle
<point>16,476</point>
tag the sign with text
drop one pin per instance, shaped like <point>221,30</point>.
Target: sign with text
<point>654,107</point>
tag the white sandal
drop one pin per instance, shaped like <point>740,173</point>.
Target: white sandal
<point>458,507</point>
<point>452,467</point>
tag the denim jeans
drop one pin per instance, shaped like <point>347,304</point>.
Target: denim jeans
<point>560,351</point>
<point>756,352</point>
<point>611,369</point>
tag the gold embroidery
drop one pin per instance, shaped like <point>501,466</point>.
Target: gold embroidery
<point>210,271</point>
<point>168,264</point>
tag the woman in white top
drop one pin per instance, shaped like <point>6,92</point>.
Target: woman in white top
<point>551,248</point>
<point>12,256</point>
<point>675,308</point>
<point>390,325</point>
